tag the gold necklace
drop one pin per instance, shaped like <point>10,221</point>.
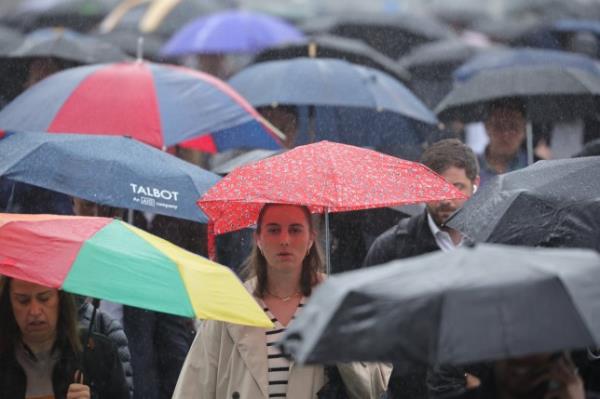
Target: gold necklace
<point>284,298</point>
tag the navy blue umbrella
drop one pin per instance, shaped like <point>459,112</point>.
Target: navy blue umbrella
<point>350,103</point>
<point>108,170</point>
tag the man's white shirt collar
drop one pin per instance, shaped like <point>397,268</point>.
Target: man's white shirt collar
<point>442,238</point>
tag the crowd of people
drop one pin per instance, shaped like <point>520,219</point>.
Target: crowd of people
<point>57,345</point>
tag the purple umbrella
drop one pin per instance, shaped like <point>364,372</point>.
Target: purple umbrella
<point>233,31</point>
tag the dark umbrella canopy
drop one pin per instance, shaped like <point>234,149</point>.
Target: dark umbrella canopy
<point>440,58</point>
<point>431,66</point>
<point>9,39</point>
<point>469,305</point>
<point>129,42</point>
<point>65,45</point>
<point>114,171</point>
<point>80,15</point>
<point>391,34</point>
<point>331,46</point>
<point>551,203</point>
<point>555,85</point>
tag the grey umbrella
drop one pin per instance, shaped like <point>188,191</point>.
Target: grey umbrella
<point>66,45</point>
<point>550,203</point>
<point>555,85</point>
<point>469,305</point>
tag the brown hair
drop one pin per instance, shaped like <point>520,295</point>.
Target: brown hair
<point>67,332</point>
<point>451,152</point>
<point>508,104</point>
<point>256,264</point>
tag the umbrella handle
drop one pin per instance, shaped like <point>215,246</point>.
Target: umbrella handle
<point>327,244</point>
<point>211,242</point>
<point>87,342</point>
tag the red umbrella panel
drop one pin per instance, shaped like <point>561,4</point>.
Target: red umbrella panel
<point>326,177</point>
<point>161,105</point>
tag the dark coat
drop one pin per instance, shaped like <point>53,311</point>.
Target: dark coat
<point>102,372</point>
<point>111,328</point>
<point>410,237</point>
<point>159,344</point>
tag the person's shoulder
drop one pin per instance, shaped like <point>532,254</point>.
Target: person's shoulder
<point>384,247</point>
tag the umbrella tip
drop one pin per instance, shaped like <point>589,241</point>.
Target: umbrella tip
<point>140,49</point>
<point>312,50</point>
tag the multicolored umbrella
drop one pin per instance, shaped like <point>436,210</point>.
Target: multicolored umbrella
<point>326,177</point>
<point>109,259</point>
<point>161,105</point>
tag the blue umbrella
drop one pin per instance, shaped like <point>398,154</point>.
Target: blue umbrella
<point>233,31</point>
<point>352,104</point>
<point>108,170</point>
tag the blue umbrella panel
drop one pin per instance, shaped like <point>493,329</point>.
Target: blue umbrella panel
<point>108,170</point>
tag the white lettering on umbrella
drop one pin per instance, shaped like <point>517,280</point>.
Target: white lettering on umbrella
<point>154,192</point>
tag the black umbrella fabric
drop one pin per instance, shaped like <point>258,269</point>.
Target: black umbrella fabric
<point>555,85</point>
<point>9,38</point>
<point>80,15</point>
<point>65,45</point>
<point>331,46</point>
<point>550,203</point>
<point>469,305</point>
<point>393,35</point>
<point>431,66</point>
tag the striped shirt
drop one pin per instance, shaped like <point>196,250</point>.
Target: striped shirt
<point>278,365</point>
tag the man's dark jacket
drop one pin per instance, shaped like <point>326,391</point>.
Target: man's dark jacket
<point>411,237</point>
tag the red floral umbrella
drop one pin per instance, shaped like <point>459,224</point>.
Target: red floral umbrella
<point>326,177</point>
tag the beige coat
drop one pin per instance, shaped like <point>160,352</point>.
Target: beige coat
<point>227,358</point>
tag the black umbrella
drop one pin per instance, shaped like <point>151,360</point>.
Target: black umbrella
<point>393,35</point>
<point>65,45</point>
<point>469,305</point>
<point>555,85</point>
<point>9,38</point>
<point>431,66</point>
<point>330,46</point>
<point>80,15</point>
<point>129,42</point>
<point>550,203</point>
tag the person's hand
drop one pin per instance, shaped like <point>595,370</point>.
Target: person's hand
<point>78,390</point>
<point>471,381</point>
<point>569,384</point>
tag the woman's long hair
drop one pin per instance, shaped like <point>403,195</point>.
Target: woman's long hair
<point>67,334</point>
<point>256,264</point>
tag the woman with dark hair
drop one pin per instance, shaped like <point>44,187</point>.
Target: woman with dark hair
<point>41,350</point>
<point>233,361</point>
